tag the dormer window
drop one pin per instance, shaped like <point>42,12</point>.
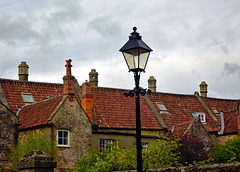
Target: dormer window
<point>162,108</point>
<point>215,110</point>
<point>201,116</point>
<point>28,98</point>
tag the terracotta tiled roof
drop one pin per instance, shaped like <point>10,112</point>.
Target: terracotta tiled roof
<point>229,109</point>
<point>40,91</point>
<point>180,109</point>
<point>37,114</point>
<point>180,128</point>
<point>113,110</point>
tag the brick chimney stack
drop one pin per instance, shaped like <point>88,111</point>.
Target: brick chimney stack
<point>93,78</point>
<point>23,71</point>
<point>203,89</point>
<point>152,84</point>
<point>87,99</point>
<point>68,80</point>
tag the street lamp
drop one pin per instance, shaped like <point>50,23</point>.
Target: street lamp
<point>136,54</point>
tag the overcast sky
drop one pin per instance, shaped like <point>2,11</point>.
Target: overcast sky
<point>192,41</point>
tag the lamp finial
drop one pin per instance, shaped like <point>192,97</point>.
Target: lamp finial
<point>134,29</point>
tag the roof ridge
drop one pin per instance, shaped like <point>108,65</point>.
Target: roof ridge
<point>15,80</point>
<point>220,98</point>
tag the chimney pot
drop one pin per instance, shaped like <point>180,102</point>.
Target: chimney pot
<point>68,79</point>
<point>203,89</point>
<point>93,78</point>
<point>23,71</point>
<point>152,84</point>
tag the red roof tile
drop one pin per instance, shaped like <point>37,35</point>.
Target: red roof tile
<point>229,109</point>
<point>37,114</point>
<point>113,110</point>
<point>180,128</point>
<point>180,109</point>
<point>40,91</point>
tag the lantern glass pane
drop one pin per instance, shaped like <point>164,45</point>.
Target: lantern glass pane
<point>143,59</point>
<point>131,57</point>
<point>129,60</point>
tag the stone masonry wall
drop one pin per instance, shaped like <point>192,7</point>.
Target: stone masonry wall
<point>8,134</point>
<point>72,117</point>
<point>227,167</point>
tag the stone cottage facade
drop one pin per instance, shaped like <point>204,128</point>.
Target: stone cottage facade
<point>54,108</point>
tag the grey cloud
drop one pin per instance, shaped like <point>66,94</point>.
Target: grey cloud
<point>66,11</point>
<point>219,45</point>
<point>231,68</point>
<point>105,27</point>
<point>18,29</point>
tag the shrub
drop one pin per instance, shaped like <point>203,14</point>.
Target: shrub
<point>162,152</point>
<point>229,152</point>
<point>116,159</point>
<point>193,149</point>
<point>39,140</point>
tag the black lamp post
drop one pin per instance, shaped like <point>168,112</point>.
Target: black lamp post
<point>136,54</point>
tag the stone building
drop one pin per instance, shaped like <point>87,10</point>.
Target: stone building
<point>78,117</point>
<point>54,108</point>
<point>8,133</point>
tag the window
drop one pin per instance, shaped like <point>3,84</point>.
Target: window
<point>28,98</point>
<point>200,115</point>
<point>105,145</point>
<point>144,145</point>
<point>162,108</point>
<point>215,110</point>
<point>63,138</point>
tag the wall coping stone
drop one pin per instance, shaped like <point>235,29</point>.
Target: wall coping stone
<point>36,159</point>
<point>233,167</point>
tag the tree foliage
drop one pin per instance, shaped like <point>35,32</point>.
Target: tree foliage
<point>162,152</point>
<point>38,140</point>
<point>229,152</point>
<point>193,149</point>
<point>109,160</point>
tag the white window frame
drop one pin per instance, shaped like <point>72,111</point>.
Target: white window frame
<point>67,138</point>
<point>145,146</point>
<point>201,116</point>
<point>104,145</point>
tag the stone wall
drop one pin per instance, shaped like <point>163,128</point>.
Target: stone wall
<point>70,116</point>
<point>223,138</point>
<point>233,167</point>
<point>230,167</point>
<point>8,134</point>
